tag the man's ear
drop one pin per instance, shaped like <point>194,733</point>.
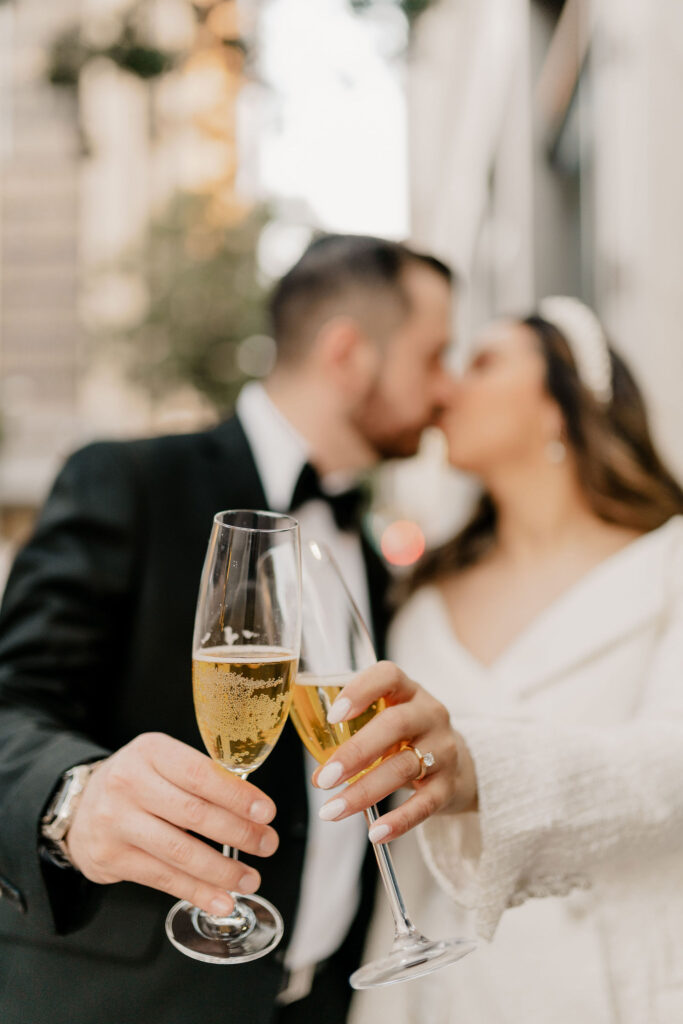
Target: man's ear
<point>346,355</point>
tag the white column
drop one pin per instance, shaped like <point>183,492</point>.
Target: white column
<point>470,118</point>
<point>638,70</point>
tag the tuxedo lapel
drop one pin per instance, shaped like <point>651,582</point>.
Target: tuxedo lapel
<point>239,479</point>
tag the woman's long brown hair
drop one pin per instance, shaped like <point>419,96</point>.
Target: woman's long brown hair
<point>622,475</point>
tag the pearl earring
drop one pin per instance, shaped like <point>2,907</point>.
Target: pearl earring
<point>555,451</point>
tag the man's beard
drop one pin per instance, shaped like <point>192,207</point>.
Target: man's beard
<point>389,444</point>
<point>400,446</point>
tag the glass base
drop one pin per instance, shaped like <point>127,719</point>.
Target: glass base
<point>411,957</point>
<point>217,941</point>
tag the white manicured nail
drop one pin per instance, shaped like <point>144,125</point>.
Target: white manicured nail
<point>330,775</point>
<point>339,710</point>
<point>328,812</point>
<point>378,832</point>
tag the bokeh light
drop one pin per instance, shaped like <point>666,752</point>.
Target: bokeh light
<point>403,542</point>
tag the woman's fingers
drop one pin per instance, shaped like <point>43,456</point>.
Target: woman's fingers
<point>399,770</point>
<point>376,739</point>
<point>381,680</point>
<point>399,723</point>
<point>426,801</point>
<point>378,751</point>
<point>411,718</point>
<point>432,796</point>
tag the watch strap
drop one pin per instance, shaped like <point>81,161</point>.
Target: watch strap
<point>59,814</point>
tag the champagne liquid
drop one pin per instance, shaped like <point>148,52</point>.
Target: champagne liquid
<point>241,698</point>
<point>312,699</point>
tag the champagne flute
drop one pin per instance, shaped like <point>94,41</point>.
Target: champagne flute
<point>335,646</point>
<point>244,658</point>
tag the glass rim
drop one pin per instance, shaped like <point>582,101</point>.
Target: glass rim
<point>292,524</point>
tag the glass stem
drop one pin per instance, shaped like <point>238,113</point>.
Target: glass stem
<point>239,912</point>
<point>403,926</point>
<point>235,926</point>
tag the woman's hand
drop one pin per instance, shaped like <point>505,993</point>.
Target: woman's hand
<point>412,718</point>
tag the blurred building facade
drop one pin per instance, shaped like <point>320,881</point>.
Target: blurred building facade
<point>543,156</point>
<point>84,168</point>
<point>40,337</point>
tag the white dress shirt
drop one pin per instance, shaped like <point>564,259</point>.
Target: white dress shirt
<point>330,885</point>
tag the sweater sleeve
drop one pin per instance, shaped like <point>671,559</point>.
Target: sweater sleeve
<point>560,806</point>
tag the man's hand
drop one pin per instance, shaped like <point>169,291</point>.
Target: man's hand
<point>137,809</point>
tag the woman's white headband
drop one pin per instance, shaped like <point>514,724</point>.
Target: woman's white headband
<point>586,339</point>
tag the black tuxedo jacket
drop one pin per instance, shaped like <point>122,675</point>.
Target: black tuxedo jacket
<point>95,639</point>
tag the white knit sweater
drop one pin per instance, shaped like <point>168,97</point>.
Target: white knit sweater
<point>577,737</point>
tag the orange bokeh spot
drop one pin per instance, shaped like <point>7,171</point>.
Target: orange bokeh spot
<point>402,542</point>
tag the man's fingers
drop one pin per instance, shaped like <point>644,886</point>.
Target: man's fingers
<point>181,852</point>
<point>194,772</point>
<point>195,814</point>
<point>147,870</point>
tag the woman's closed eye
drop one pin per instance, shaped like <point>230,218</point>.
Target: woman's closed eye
<point>481,362</point>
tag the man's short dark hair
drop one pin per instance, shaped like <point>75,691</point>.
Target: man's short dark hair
<point>338,275</point>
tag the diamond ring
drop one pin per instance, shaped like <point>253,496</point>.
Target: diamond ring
<point>427,760</point>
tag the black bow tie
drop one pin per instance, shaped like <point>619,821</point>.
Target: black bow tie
<point>347,506</point>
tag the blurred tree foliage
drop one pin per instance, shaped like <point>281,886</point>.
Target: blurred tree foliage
<point>130,45</point>
<point>205,298</point>
<point>205,295</point>
<point>132,48</point>
<point>199,264</point>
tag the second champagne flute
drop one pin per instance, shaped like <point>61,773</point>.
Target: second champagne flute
<point>244,659</point>
<point>335,646</point>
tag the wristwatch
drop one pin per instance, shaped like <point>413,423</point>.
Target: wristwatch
<point>57,819</point>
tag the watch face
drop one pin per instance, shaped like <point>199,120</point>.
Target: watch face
<point>58,817</point>
<point>56,830</point>
<point>58,824</point>
<point>61,798</point>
